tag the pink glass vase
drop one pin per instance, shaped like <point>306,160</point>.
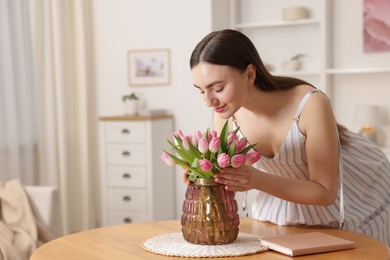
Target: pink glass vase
<point>209,214</point>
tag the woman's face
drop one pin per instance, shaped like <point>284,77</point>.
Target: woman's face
<point>222,87</point>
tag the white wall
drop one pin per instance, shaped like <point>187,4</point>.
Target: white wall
<point>123,25</point>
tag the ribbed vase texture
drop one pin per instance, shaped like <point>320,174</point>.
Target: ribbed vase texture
<point>209,214</point>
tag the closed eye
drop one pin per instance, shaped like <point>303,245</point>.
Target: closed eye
<point>213,84</point>
<point>219,90</point>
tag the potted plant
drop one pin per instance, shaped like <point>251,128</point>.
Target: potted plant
<point>294,63</point>
<point>130,102</point>
<point>209,214</point>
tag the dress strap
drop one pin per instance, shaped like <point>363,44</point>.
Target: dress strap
<point>303,102</point>
<point>341,176</point>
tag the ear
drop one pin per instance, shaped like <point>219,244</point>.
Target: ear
<point>251,73</point>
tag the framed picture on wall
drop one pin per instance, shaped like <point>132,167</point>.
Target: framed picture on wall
<point>376,26</point>
<point>149,67</point>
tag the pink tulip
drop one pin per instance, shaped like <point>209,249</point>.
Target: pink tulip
<point>184,143</point>
<point>223,160</point>
<point>194,141</point>
<point>213,134</point>
<point>231,138</point>
<point>214,144</point>
<point>252,157</point>
<point>241,144</point>
<point>167,159</point>
<point>178,133</point>
<point>198,134</point>
<point>238,160</point>
<point>203,145</point>
<point>205,165</point>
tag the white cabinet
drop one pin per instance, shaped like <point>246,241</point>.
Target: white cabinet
<point>136,184</point>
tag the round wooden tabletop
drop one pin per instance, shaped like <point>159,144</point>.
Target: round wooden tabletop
<point>125,242</point>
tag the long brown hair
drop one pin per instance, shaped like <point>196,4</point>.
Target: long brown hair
<point>234,49</point>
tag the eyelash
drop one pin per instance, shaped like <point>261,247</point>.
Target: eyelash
<point>217,90</point>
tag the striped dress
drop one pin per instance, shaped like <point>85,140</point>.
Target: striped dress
<point>363,201</point>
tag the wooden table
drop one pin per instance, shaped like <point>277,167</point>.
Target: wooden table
<point>124,242</point>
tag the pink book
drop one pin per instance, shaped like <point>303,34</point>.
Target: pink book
<point>306,243</point>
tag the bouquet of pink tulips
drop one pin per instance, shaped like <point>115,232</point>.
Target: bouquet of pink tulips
<point>204,154</point>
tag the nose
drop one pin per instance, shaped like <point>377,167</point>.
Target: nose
<point>210,100</point>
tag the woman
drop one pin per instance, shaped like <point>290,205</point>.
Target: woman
<point>313,171</point>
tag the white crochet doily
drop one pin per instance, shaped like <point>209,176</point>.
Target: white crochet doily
<point>173,244</point>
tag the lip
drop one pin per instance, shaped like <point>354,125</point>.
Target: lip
<point>219,109</point>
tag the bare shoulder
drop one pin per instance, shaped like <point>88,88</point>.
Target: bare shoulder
<point>318,100</point>
<point>317,112</point>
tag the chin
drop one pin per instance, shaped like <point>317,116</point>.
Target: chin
<point>224,115</point>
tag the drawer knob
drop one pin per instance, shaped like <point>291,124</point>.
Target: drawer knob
<point>125,131</point>
<point>126,175</point>
<point>126,198</point>
<point>126,153</point>
<point>127,220</point>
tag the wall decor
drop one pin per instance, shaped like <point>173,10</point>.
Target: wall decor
<point>149,67</point>
<point>376,25</point>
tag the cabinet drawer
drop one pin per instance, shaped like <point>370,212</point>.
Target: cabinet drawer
<point>124,217</point>
<point>127,176</point>
<point>126,199</point>
<point>125,132</point>
<point>126,154</point>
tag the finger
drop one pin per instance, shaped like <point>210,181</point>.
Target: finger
<point>185,176</point>
<point>226,178</point>
<point>233,187</point>
<point>231,170</point>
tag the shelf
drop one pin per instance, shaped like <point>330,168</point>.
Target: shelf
<point>358,71</point>
<point>276,24</point>
<point>296,73</point>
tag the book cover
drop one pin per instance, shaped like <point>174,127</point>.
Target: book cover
<point>306,243</point>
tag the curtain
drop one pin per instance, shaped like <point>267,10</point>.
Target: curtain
<point>18,128</point>
<point>66,120</point>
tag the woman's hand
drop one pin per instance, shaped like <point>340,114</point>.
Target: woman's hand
<point>185,175</point>
<point>236,179</point>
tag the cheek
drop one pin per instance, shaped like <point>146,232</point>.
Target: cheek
<point>230,97</point>
<point>234,96</point>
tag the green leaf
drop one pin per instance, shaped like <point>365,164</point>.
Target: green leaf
<point>180,162</point>
<point>247,149</point>
<point>223,137</point>
<point>195,152</point>
<point>232,149</point>
<point>186,155</point>
<point>192,177</point>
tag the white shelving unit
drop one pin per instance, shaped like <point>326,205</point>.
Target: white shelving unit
<point>262,22</point>
<point>276,24</point>
<point>357,71</point>
<point>278,40</point>
<point>334,58</point>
